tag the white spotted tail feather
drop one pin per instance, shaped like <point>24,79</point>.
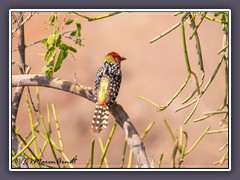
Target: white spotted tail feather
<point>100,118</point>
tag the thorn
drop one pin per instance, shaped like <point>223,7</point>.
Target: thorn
<point>75,78</point>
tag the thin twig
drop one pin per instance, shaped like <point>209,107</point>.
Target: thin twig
<point>186,105</point>
<point>57,127</point>
<point>197,83</point>
<point>31,123</point>
<point>161,108</point>
<point>213,75</point>
<point>196,90</point>
<point>23,22</point>
<point>160,160</point>
<point>124,153</point>
<point>202,118</point>
<point>130,159</point>
<point>98,17</point>
<point>25,143</point>
<point>223,147</point>
<point>107,145</point>
<point>148,128</point>
<point>170,130</point>
<point>198,25</point>
<point>174,153</point>
<point>188,67</point>
<point>224,52</point>
<point>206,86</point>
<point>212,19</point>
<point>198,45</point>
<point>217,131</point>
<point>177,13</point>
<point>223,159</point>
<point>31,100</point>
<point>23,149</point>
<point>92,153</point>
<point>42,150</point>
<point>182,149</point>
<point>198,140</point>
<point>102,149</point>
<point>193,110</point>
<point>223,49</point>
<point>165,33</point>
<point>49,120</point>
<point>48,139</point>
<point>216,112</point>
<point>185,49</point>
<point>149,101</point>
<point>184,17</point>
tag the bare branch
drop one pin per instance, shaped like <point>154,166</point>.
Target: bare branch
<point>23,22</point>
<point>134,140</point>
<point>19,90</point>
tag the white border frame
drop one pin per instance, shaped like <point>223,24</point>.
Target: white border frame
<point>118,10</point>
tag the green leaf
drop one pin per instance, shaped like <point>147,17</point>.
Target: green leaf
<point>79,42</point>
<point>51,19</point>
<point>69,21</point>
<point>49,72</point>
<point>78,28</point>
<point>58,38</point>
<point>73,33</point>
<point>54,39</point>
<point>63,46</point>
<point>50,40</point>
<point>62,55</point>
<point>72,49</point>
<point>45,68</point>
<point>49,56</point>
<point>44,41</point>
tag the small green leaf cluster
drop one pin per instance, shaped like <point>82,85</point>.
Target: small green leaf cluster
<point>57,50</point>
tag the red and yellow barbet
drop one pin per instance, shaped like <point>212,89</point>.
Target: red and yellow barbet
<point>107,85</point>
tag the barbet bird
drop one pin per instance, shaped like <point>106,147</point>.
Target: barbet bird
<point>107,85</point>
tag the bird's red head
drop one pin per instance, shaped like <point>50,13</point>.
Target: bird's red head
<point>115,57</point>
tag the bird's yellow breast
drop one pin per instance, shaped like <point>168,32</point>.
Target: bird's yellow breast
<point>103,91</point>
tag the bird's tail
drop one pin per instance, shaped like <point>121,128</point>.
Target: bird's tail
<point>100,118</point>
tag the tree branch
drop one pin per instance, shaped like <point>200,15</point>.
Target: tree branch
<point>134,140</point>
<point>19,90</point>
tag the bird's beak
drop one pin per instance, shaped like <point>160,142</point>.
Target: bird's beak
<point>123,58</point>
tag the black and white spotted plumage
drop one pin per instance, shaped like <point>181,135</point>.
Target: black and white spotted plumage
<point>114,73</point>
<point>107,85</point>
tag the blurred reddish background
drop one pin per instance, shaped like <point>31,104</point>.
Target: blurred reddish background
<point>155,71</point>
